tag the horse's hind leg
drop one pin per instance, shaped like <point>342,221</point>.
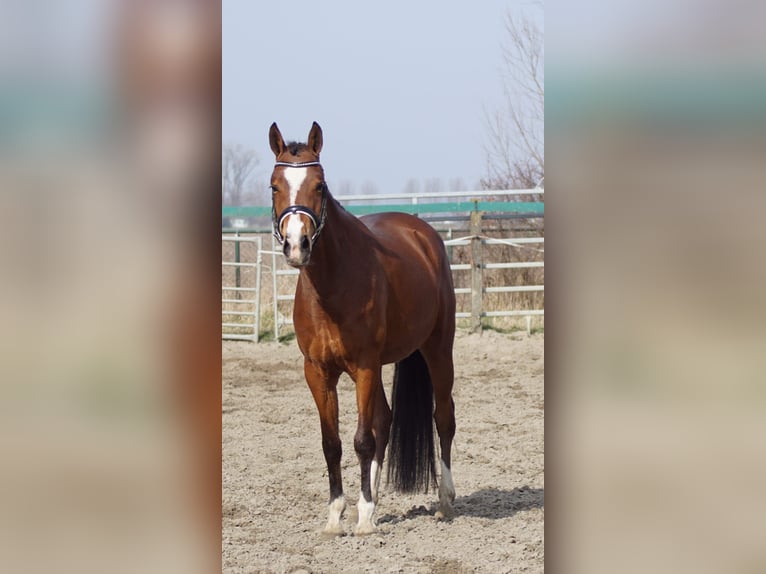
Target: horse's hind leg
<point>323,385</point>
<point>438,355</point>
<point>381,427</point>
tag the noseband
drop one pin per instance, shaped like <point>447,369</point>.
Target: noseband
<point>317,220</point>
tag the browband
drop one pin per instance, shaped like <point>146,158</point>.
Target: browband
<point>296,164</point>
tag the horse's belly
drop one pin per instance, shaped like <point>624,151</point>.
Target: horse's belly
<point>410,319</point>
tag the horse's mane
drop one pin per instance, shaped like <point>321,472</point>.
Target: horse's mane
<point>338,203</point>
<point>295,148</point>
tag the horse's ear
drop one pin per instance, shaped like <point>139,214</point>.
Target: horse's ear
<point>315,138</point>
<point>275,140</point>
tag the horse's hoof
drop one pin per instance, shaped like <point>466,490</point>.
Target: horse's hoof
<point>365,530</point>
<point>333,531</point>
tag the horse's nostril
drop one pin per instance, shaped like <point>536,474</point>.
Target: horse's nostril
<point>305,243</point>
<point>286,248</point>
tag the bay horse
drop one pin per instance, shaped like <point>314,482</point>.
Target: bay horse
<point>371,291</point>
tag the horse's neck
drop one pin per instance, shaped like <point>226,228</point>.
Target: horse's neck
<point>333,262</point>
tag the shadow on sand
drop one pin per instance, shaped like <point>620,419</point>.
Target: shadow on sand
<point>495,503</point>
<point>486,503</point>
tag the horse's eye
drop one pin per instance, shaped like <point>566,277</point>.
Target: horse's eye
<point>274,189</point>
<point>320,187</point>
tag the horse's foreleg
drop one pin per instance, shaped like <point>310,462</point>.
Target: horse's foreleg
<point>367,383</point>
<point>323,387</point>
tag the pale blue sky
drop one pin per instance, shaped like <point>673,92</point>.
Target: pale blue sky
<point>399,87</point>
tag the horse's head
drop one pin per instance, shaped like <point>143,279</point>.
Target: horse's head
<point>299,194</point>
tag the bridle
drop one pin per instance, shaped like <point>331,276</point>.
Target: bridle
<point>317,220</point>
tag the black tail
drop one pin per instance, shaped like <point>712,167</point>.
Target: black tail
<point>411,458</point>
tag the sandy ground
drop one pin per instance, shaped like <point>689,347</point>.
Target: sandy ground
<point>275,486</point>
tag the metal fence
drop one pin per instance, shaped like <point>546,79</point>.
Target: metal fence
<point>243,265</point>
<point>241,305</point>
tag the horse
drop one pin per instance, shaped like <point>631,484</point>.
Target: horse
<point>372,290</point>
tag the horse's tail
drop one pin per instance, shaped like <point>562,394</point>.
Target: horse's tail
<point>411,459</point>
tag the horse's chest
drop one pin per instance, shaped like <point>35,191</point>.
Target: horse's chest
<point>342,330</point>
<point>339,345</point>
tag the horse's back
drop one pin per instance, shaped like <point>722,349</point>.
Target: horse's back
<point>403,234</point>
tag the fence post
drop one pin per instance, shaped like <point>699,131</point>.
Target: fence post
<point>237,279</point>
<point>477,271</point>
<point>274,292</point>
<point>258,264</point>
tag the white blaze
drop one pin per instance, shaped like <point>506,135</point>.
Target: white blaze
<point>294,177</point>
<point>294,230</point>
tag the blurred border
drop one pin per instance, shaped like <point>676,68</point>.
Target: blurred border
<point>110,231</point>
<point>655,430</point>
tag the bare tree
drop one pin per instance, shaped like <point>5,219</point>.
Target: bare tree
<point>345,187</point>
<point>433,185</point>
<point>369,188</point>
<point>412,186</point>
<point>238,163</point>
<point>257,191</point>
<point>457,184</point>
<point>515,148</point>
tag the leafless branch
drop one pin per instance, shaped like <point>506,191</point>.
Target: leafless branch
<point>515,148</point>
<point>238,163</point>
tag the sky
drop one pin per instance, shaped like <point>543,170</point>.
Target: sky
<point>400,88</point>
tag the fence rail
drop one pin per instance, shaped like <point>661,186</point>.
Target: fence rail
<point>414,198</point>
<point>521,208</point>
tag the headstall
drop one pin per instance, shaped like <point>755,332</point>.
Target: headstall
<point>317,220</point>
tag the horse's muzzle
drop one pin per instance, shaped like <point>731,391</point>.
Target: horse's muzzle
<point>298,252</point>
